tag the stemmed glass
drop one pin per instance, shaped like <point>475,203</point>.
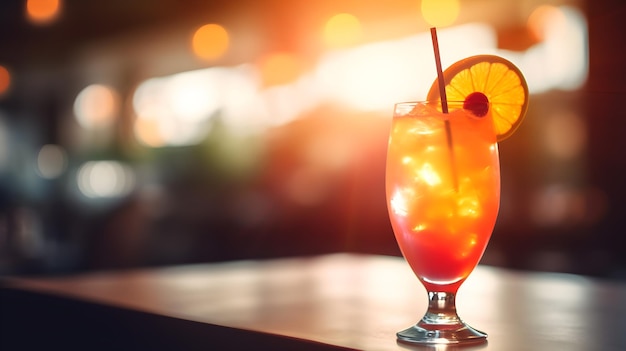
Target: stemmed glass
<point>443,195</point>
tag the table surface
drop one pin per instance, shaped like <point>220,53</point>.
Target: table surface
<point>348,301</point>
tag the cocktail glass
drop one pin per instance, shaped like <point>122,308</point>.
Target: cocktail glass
<point>443,195</point>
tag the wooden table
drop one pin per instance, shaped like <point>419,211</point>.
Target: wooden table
<point>331,302</point>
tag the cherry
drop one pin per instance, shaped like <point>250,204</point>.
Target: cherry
<point>477,103</point>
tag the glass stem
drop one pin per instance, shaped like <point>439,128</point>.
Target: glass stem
<point>441,309</point>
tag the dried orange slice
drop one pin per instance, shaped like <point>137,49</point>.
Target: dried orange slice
<point>472,79</point>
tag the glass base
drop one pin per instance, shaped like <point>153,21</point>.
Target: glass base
<point>435,334</point>
<point>441,324</point>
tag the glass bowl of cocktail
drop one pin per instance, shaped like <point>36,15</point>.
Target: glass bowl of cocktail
<point>443,183</point>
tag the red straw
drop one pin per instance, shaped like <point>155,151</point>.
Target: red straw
<point>444,105</point>
<point>440,80</point>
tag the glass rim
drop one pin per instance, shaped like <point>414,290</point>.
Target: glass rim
<point>426,102</point>
<point>404,108</point>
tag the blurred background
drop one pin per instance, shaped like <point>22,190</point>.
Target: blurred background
<point>157,132</point>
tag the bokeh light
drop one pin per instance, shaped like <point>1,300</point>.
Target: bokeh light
<point>560,59</point>
<point>356,76</point>
<point>43,11</point>
<point>210,41</point>
<point>172,110</point>
<point>542,17</point>
<point>193,97</point>
<point>280,68</point>
<point>440,13</point>
<point>105,179</point>
<point>96,106</point>
<point>5,80</point>
<point>175,110</point>
<point>342,30</point>
<point>148,132</point>
<point>51,161</point>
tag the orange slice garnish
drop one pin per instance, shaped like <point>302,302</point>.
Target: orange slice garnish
<point>475,78</point>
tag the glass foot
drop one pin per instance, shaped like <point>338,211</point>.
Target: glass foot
<point>448,334</point>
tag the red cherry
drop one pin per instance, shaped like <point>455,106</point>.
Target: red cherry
<point>477,103</point>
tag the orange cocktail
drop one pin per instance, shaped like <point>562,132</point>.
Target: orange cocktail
<point>443,193</point>
<point>443,182</point>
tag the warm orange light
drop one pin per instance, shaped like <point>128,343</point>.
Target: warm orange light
<point>210,41</point>
<point>147,131</point>
<point>42,11</point>
<point>440,13</point>
<point>543,16</point>
<point>96,106</point>
<point>5,80</point>
<point>342,30</point>
<point>280,68</point>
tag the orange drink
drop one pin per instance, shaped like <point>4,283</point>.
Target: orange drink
<point>443,182</point>
<point>443,198</point>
